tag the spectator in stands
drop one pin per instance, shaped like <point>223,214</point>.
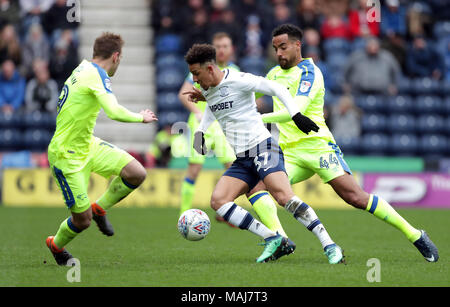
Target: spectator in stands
<point>12,88</point>
<point>10,46</point>
<point>218,8</point>
<point>419,20</point>
<point>281,15</point>
<point>197,30</point>
<point>55,21</point>
<point>9,13</point>
<point>311,38</point>
<point>36,46</point>
<point>163,21</point>
<point>372,71</point>
<point>245,8</point>
<point>360,26</point>
<point>41,91</point>
<point>33,11</point>
<point>345,118</point>
<point>64,58</point>
<point>393,21</point>
<point>306,15</point>
<point>228,24</point>
<point>423,61</point>
<point>254,38</point>
<point>335,25</point>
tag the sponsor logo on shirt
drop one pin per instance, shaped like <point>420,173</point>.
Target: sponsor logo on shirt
<point>221,106</point>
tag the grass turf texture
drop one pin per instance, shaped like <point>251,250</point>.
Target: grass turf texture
<point>147,250</point>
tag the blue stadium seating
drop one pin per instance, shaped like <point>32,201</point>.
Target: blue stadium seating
<point>171,117</point>
<point>10,139</point>
<point>37,139</point>
<point>371,103</point>
<point>254,65</point>
<point>433,145</point>
<point>169,80</point>
<point>20,159</point>
<point>375,144</point>
<point>336,61</point>
<point>399,104</point>
<point>168,43</point>
<point>425,86</point>
<point>39,119</point>
<point>441,29</point>
<point>11,120</point>
<point>349,145</point>
<point>428,104</point>
<point>401,123</point>
<point>404,86</point>
<point>333,45</point>
<point>430,123</point>
<point>373,122</point>
<point>170,61</point>
<point>168,101</point>
<point>404,144</point>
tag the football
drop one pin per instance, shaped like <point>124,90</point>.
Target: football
<point>194,224</point>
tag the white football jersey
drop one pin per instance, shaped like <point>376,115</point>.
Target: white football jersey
<point>232,103</point>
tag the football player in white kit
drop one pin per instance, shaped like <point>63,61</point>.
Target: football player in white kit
<point>230,98</point>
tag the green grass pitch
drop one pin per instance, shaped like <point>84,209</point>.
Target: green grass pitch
<point>147,250</point>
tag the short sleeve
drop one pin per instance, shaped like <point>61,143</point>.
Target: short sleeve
<point>100,82</point>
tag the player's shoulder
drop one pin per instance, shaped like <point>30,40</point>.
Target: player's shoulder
<point>307,65</point>
<point>99,75</point>
<point>273,71</point>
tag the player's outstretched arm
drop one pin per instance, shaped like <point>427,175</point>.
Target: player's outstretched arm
<point>304,123</point>
<point>119,113</point>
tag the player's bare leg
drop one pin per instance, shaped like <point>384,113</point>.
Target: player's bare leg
<point>131,177</point>
<point>279,186</point>
<point>222,200</point>
<point>349,190</point>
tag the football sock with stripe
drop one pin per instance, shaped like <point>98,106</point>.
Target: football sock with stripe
<point>187,194</point>
<point>66,233</point>
<point>266,209</point>
<point>241,218</point>
<point>308,217</point>
<point>384,211</point>
<point>117,190</point>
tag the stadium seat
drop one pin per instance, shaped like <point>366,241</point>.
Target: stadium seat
<point>358,43</point>
<point>425,86</point>
<point>404,86</point>
<point>428,105</point>
<point>170,60</point>
<point>399,104</point>
<point>447,125</point>
<point>349,145</point>
<point>375,144</point>
<point>402,122</point>
<point>168,43</point>
<point>36,139</point>
<point>404,144</point>
<point>168,101</point>
<point>254,65</point>
<point>433,145</point>
<point>336,61</point>
<point>336,45</point>
<point>10,139</point>
<point>41,120</point>
<point>441,29</point>
<point>11,120</point>
<point>430,123</point>
<point>169,80</point>
<point>371,103</point>
<point>171,117</point>
<point>373,122</point>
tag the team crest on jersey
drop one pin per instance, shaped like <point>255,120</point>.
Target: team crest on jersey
<point>108,84</point>
<point>224,92</point>
<point>304,86</point>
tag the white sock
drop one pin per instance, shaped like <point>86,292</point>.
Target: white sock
<point>241,218</point>
<point>308,217</point>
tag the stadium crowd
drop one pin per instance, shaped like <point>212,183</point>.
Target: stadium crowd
<point>38,50</point>
<point>387,71</point>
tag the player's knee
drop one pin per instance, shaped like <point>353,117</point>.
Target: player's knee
<point>82,223</point>
<point>138,176</point>
<point>282,197</point>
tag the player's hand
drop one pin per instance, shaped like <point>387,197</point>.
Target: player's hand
<point>194,95</point>
<point>304,123</point>
<point>148,115</point>
<point>199,143</point>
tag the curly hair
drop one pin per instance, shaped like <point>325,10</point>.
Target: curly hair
<point>291,30</point>
<point>200,53</point>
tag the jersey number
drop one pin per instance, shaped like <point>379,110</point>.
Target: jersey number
<point>258,163</point>
<point>62,98</point>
